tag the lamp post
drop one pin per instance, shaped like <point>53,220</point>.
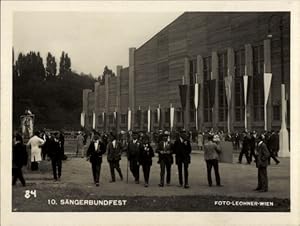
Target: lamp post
<point>283,135</point>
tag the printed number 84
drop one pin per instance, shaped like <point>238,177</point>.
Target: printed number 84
<point>29,193</point>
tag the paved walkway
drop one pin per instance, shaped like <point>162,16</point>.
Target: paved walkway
<point>238,179</point>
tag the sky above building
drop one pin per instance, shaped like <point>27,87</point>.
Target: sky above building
<point>91,39</point>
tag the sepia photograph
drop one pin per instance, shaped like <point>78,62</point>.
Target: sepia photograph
<point>169,111</point>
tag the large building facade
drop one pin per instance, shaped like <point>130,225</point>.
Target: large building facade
<point>199,47</point>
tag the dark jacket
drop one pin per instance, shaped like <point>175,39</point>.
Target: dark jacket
<point>146,154</point>
<point>165,153</point>
<point>55,151</point>
<point>262,155</point>
<point>182,151</point>
<point>114,154</point>
<point>96,155</point>
<point>19,156</point>
<point>133,150</point>
<point>246,144</point>
<point>273,142</point>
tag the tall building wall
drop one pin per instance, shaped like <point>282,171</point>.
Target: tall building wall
<point>207,45</point>
<point>124,80</point>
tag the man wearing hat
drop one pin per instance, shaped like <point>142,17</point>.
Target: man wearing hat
<point>133,148</point>
<point>262,157</point>
<point>114,151</point>
<point>94,154</point>
<point>246,147</point>
<point>145,158</point>
<point>211,156</point>
<point>56,155</point>
<point>165,159</point>
<point>182,149</point>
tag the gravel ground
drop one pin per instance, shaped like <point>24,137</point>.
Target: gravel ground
<point>76,183</point>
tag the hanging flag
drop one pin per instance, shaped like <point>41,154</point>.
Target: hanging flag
<point>183,92</point>
<point>245,79</point>
<point>149,120</point>
<point>196,95</point>
<point>115,115</point>
<point>172,111</point>
<point>228,82</point>
<point>94,120</point>
<point>82,117</point>
<point>103,117</point>
<point>267,85</point>
<point>129,120</point>
<point>104,120</point>
<point>158,116</point>
<point>212,88</point>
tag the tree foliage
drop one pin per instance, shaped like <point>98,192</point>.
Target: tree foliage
<point>105,73</point>
<point>51,66</point>
<point>64,65</point>
<point>56,103</point>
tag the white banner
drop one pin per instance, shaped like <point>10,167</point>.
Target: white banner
<point>115,115</point>
<point>267,85</point>
<point>196,96</point>
<point>129,120</point>
<point>149,120</point>
<point>94,120</point>
<point>172,110</point>
<point>245,77</point>
<point>228,82</point>
<point>103,117</point>
<point>82,117</point>
<point>158,115</point>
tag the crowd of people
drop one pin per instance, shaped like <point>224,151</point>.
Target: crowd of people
<point>141,147</point>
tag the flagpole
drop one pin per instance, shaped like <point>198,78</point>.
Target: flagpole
<point>196,119</point>
<point>245,80</point>
<point>265,115</point>
<point>228,122</point>
<point>245,117</point>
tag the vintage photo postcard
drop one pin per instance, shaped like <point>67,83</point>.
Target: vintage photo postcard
<point>146,113</point>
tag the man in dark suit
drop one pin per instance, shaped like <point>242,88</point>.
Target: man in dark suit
<point>273,146</point>
<point>182,150</point>
<point>19,158</point>
<point>94,155</point>
<point>165,159</point>
<point>211,156</point>
<point>114,151</point>
<point>56,155</point>
<point>262,163</point>
<point>246,148</point>
<point>145,158</point>
<point>253,146</point>
<point>133,157</point>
